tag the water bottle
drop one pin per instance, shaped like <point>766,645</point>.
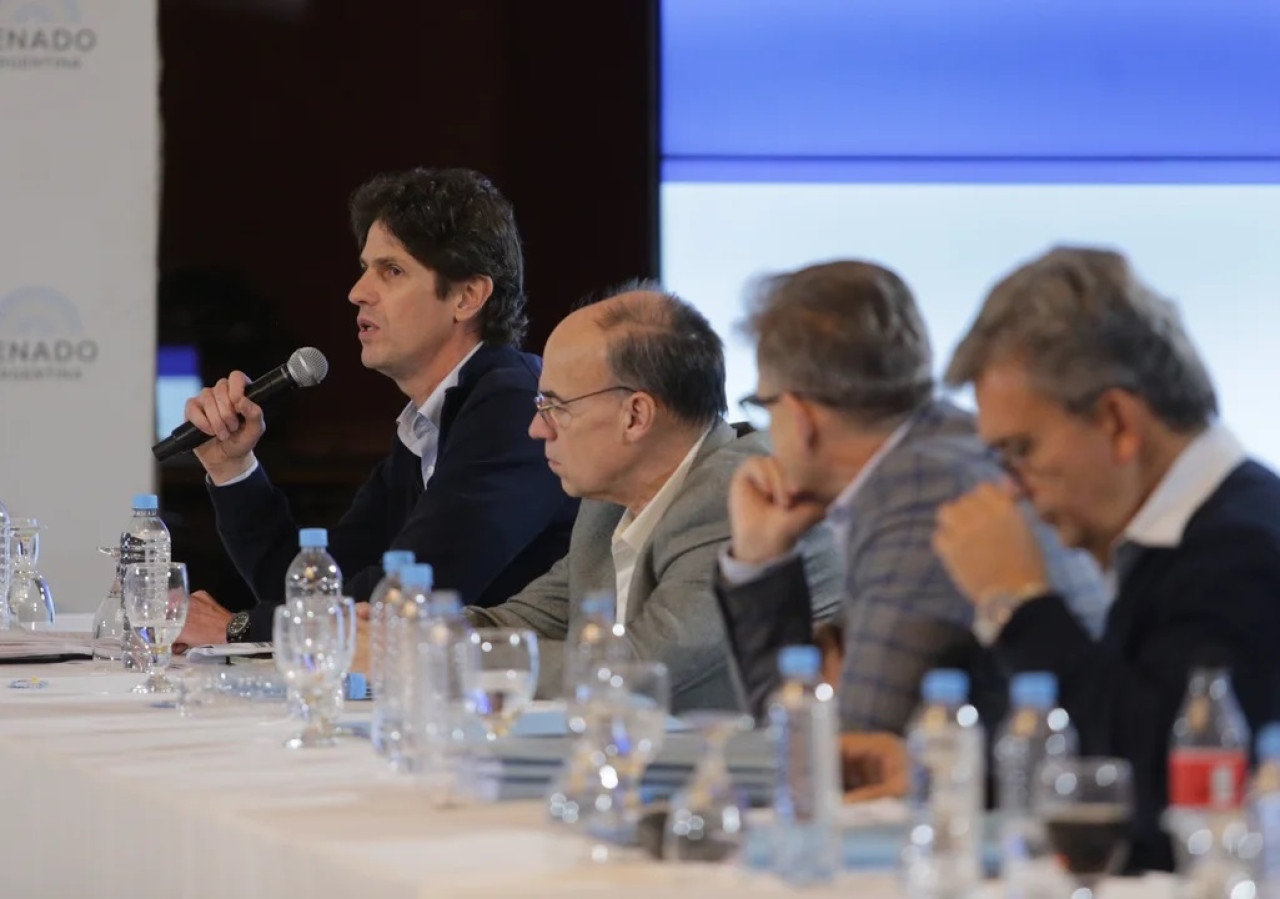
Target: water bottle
<point>313,572</point>
<point>942,857</point>
<point>804,728</point>
<point>145,540</point>
<point>4,568</point>
<point>1035,730</point>
<point>393,701</point>
<point>1208,762</point>
<point>1264,807</point>
<point>594,637</point>
<point>440,708</point>
<point>386,594</point>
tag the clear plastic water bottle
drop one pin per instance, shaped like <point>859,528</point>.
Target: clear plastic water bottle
<point>1208,763</point>
<point>942,857</point>
<point>145,539</point>
<point>1035,729</point>
<point>4,568</point>
<point>440,707</point>
<point>313,572</point>
<point>385,595</point>
<point>804,728</point>
<point>393,702</point>
<point>594,637</point>
<point>1264,808</point>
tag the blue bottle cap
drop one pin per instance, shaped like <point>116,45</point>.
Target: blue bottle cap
<point>444,603</point>
<point>416,577</point>
<point>1034,689</point>
<point>313,538</point>
<point>357,685</point>
<point>799,661</point>
<point>395,559</point>
<point>1269,743</point>
<point>945,685</point>
<point>148,502</point>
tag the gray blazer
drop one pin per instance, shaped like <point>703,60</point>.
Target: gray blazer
<point>902,613</point>
<point>671,610</point>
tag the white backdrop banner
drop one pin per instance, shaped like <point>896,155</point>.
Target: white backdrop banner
<point>79,165</point>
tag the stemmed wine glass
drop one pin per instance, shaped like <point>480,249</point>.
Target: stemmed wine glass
<point>109,619</point>
<point>156,599</point>
<point>30,599</point>
<point>505,678</point>
<point>1085,805</point>
<point>314,642</point>
<point>706,819</point>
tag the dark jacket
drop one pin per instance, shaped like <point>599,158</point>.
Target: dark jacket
<point>493,518</point>
<point>1218,589</point>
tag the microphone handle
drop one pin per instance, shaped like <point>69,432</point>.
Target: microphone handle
<point>186,436</point>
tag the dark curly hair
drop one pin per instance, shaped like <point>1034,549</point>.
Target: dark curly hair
<point>456,223</point>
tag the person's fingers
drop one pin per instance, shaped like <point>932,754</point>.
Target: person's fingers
<point>882,790</point>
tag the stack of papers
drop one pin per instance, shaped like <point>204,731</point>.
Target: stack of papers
<point>43,646</point>
<point>522,765</point>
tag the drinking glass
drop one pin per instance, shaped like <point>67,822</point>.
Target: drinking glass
<point>109,619</point>
<point>624,707</point>
<point>505,678</point>
<point>156,599</point>
<point>1086,805</point>
<point>30,600</point>
<point>314,641</point>
<point>705,820</point>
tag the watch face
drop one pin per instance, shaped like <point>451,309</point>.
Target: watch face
<point>238,625</point>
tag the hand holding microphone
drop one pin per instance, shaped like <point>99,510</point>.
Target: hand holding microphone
<point>236,423</point>
<point>230,413</point>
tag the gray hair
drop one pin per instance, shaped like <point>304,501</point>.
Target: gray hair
<point>847,334</point>
<point>664,346</point>
<point>1083,323</point>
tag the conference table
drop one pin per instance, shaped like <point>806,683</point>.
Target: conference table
<point>106,793</point>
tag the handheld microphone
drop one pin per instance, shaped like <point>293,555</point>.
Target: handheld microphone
<point>307,367</point>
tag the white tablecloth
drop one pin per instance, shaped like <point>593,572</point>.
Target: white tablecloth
<point>104,795</point>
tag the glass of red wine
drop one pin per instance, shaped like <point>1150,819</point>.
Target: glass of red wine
<point>1085,805</point>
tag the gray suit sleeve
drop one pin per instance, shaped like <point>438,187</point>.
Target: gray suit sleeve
<point>678,623</point>
<point>543,607</point>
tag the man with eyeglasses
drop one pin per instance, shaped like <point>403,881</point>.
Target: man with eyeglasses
<point>1091,391</point>
<point>846,384</point>
<point>440,310</point>
<point>631,417</point>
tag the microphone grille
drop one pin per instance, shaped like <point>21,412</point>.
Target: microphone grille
<point>308,366</point>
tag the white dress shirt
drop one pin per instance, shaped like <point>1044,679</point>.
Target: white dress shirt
<point>1192,478</point>
<point>633,531</point>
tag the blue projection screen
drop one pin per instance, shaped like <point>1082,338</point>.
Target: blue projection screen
<point>951,140</point>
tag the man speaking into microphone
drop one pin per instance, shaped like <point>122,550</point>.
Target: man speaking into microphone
<point>440,311</point>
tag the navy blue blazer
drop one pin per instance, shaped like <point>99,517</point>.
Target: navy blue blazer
<point>493,518</point>
<point>1219,588</point>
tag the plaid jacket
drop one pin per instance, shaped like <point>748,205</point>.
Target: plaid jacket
<point>903,615</point>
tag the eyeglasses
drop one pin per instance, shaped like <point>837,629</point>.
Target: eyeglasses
<point>1013,454</point>
<point>555,412</point>
<point>758,407</point>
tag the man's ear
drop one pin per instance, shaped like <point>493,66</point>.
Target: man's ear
<point>470,297</point>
